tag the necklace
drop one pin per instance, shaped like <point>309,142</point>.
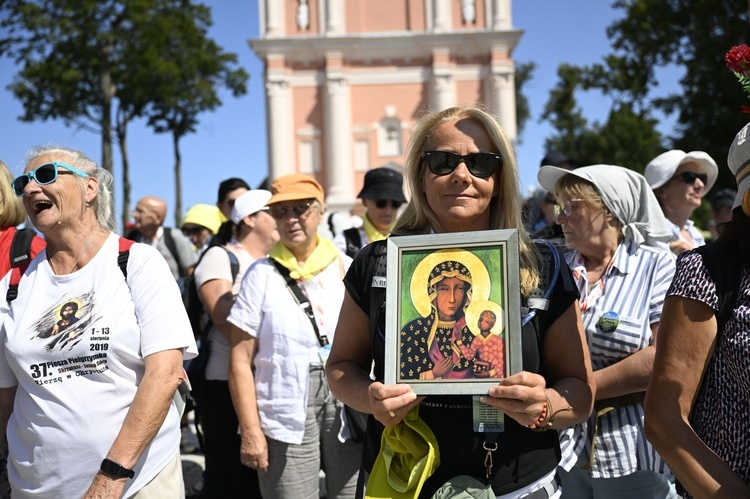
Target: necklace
<point>80,254</point>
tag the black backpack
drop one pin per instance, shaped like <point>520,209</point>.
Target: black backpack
<point>196,369</point>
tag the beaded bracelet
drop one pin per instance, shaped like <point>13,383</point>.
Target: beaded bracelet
<point>545,410</point>
<point>548,425</point>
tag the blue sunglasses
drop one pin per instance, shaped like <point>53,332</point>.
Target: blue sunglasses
<point>45,174</point>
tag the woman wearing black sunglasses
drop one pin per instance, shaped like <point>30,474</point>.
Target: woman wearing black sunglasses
<point>97,397</point>
<point>463,177</point>
<point>679,181</point>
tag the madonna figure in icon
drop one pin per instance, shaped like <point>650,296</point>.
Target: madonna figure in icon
<point>431,342</point>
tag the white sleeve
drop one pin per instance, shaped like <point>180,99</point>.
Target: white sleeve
<point>158,304</point>
<point>214,264</point>
<point>246,311</point>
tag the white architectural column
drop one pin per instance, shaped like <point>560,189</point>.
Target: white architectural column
<point>442,90</point>
<point>501,15</point>
<point>502,98</point>
<point>275,18</point>
<point>335,16</point>
<point>279,128</point>
<point>441,12</point>
<point>338,143</point>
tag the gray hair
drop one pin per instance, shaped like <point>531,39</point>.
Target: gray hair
<point>104,198</point>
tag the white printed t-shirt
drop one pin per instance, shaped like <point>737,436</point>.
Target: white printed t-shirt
<point>287,344</point>
<point>75,387</point>
<point>215,264</point>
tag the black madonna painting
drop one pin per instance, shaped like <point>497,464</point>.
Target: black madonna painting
<point>457,324</point>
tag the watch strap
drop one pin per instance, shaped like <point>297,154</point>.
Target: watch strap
<point>115,470</point>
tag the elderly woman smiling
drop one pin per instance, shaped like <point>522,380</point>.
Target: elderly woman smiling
<point>90,405</point>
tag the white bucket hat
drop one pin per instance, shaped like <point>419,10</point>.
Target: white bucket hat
<point>662,167</point>
<point>738,161</point>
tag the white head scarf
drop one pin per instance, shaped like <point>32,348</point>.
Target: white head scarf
<point>626,194</point>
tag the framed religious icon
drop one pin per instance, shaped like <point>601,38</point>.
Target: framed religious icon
<point>453,311</point>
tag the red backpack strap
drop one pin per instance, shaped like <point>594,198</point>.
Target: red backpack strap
<point>17,272</point>
<point>123,255</point>
<point>15,279</point>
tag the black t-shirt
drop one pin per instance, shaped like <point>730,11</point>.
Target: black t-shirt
<point>523,456</point>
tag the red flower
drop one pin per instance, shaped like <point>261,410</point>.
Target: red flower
<point>738,58</point>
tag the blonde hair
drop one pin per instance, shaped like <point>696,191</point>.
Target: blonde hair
<point>11,207</point>
<point>505,212</point>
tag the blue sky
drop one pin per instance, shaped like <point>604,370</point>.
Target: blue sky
<point>232,141</point>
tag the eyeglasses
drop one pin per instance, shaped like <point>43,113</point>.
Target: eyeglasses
<point>382,203</point>
<point>689,177</point>
<point>479,164</point>
<point>45,174</point>
<point>566,207</point>
<point>297,210</point>
<point>194,230</point>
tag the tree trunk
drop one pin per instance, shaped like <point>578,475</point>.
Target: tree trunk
<point>122,137</point>
<point>108,93</point>
<point>177,180</point>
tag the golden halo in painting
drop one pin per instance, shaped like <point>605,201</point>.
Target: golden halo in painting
<point>480,278</point>
<point>476,308</point>
<point>58,310</point>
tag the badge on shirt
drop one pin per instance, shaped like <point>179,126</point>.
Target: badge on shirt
<point>609,321</point>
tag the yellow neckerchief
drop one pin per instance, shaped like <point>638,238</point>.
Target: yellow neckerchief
<point>373,234</point>
<point>324,253</point>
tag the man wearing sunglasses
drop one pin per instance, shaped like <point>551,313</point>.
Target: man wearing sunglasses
<point>680,180</point>
<point>382,196</point>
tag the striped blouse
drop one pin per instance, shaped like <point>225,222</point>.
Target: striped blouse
<point>619,311</point>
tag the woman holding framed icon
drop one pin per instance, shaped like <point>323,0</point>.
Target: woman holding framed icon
<point>463,177</point>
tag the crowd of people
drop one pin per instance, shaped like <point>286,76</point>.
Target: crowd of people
<point>633,338</point>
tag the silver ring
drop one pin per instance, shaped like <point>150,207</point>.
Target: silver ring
<point>392,414</point>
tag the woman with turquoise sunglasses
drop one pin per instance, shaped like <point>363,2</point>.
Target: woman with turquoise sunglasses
<point>97,394</point>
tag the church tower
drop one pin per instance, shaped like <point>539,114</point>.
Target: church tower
<point>345,80</point>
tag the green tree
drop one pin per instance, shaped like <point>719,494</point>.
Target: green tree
<point>191,69</point>
<point>80,58</point>
<point>524,73</point>
<point>67,51</point>
<point>691,36</point>
<point>628,138</point>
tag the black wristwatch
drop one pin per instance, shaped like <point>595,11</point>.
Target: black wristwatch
<point>115,470</point>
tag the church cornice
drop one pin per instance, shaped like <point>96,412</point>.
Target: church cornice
<point>406,45</point>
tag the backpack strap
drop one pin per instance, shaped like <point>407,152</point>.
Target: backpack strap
<point>15,279</point>
<point>353,241</point>
<point>123,255</point>
<point>172,247</point>
<point>724,265</point>
<point>20,248</point>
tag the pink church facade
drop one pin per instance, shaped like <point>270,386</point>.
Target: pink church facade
<point>345,80</point>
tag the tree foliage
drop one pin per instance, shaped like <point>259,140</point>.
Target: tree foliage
<point>628,138</point>
<point>689,37</point>
<point>524,73</point>
<point>152,58</point>
<point>191,69</point>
